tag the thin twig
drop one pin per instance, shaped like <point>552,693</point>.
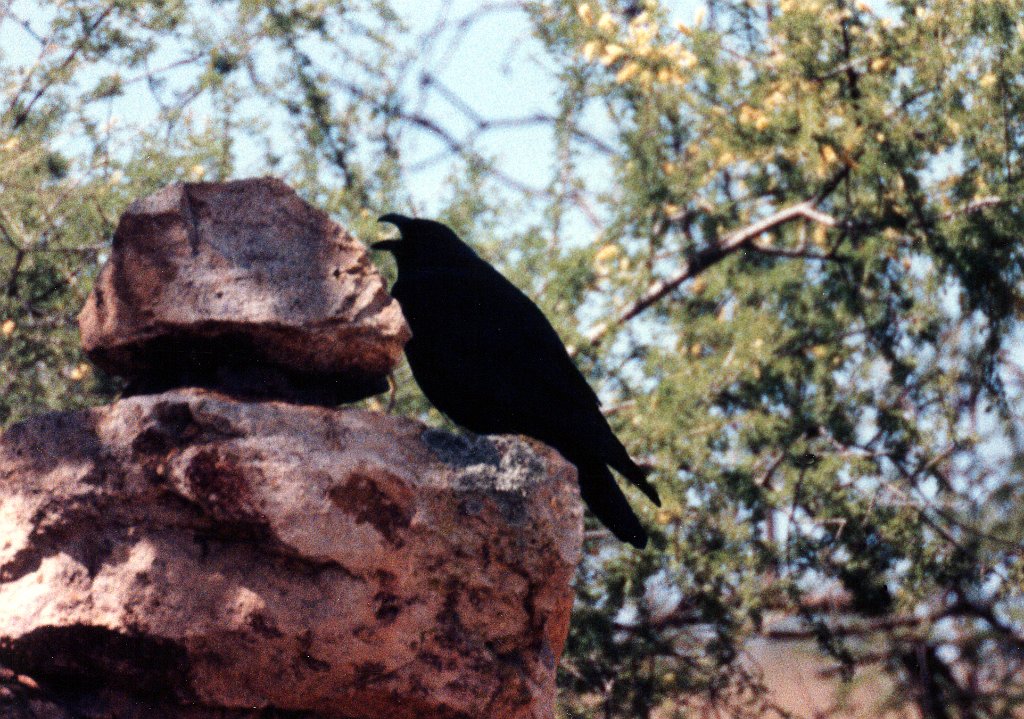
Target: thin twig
<point>709,256</point>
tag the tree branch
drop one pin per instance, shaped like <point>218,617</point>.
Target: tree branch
<point>709,256</point>
<point>973,206</point>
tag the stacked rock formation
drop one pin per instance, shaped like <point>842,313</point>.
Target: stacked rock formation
<point>243,287</point>
<point>188,552</point>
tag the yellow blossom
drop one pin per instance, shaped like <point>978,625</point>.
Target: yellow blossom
<point>641,37</point>
<point>862,6</point>
<point>7,328</point>
<point>879,64</point>
<point>987,80</point>
<point>762,122</point>
<point>828,155</point>
<point>696,349</point>
<point>79,372</point>
<point>687,59</point>
<point>10,144</point>
<point>684,28</point>
<point>880,137</point>
<point>668,167</point>
<point>672,51</point>
<point>612,53</point>
<point>698,285</point>
<point>953,126</point>
<point>592,49</point>
<point>640,20</point>
<point>671,209</point>
<point>758,343</point>
<point>774,100</point>
<point>698,17</point>
<point>606,253</point>
<point>820,236</point>
<point>585,13</point>
<point>726,158</point>
<point>819,351</point>
<point>197,172</point>
<point>627,73</point>
<point>606,23</point>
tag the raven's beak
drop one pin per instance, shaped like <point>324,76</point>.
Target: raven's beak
<point>396,220</point>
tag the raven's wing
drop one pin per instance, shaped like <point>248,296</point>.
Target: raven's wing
<point>484,330</point>
<point>494,363</point>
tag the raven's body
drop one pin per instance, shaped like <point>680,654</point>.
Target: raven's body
<point>486,356</point>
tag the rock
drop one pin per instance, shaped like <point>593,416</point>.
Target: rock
<point>243,287</point>
<point>186,555</point>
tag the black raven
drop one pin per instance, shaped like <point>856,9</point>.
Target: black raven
<point>487,357</point>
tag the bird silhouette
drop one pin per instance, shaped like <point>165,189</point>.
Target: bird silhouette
<point>486,356</point>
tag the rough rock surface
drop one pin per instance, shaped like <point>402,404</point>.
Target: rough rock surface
<point>243,287</point>
<point>187,555</point>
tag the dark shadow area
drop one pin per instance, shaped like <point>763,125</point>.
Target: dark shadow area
<point>69,661</point>
<point>230,363</point>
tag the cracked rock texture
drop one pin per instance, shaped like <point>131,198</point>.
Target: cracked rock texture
<point>187,555</point>
<point>244,287</point>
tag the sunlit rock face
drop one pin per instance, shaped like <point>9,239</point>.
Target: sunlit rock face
<point>242,287</point>
<point>185,554</point>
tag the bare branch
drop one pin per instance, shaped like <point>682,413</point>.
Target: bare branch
<point>973,206</point>
<point>76,49</point>
<point>709,256</point>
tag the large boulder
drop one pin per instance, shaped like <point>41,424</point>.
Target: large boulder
<point>243,287</point>
<point>187,555</point>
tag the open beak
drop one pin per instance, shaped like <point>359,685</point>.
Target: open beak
<point>390,245</point>
<point>395,219</point>
<point>385,245</point>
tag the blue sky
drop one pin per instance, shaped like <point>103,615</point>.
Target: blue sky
<point>498,70</point>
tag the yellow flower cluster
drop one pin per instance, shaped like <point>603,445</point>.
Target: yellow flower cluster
<point>752,116</point>
<point>634,49</point>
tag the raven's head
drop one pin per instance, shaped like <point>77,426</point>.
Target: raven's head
<point>423,243</point>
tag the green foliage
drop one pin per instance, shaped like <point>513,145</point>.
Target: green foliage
<point>833,395</point>
<point>830,403</point>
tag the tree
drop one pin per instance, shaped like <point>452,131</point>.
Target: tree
<point>782,239</point>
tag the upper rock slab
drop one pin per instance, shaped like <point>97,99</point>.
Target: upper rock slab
<point>241,286</point>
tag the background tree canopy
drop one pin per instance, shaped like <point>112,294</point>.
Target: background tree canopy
<point>783,239</point>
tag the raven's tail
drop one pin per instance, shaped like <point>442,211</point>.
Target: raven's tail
<point>637,475</point>
<point>608,503</point>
